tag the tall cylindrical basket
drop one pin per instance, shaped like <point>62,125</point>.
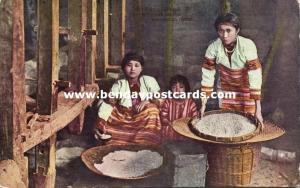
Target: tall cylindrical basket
<point>231,165</point>
<point>232,160</point>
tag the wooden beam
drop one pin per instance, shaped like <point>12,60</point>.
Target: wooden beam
<point>91,41</point>
<point>114,68</point>
<point>102,38</point>
<point>48,51</point>
<point>67,110</point>
<point>62,30</point>
<point>12,81</point>
<point>117,25</point>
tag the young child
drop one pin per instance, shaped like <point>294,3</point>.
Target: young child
<point>173,109</point>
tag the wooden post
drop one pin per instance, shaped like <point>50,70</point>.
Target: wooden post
<point>102,38</point>
<point>139,26</point>
<point>77,22</point>
<point>77,10</point>
<point>123,27</point>
<point>91,42</point>
<point>117,25</point>
<point>12,81</point>
<point>225,6</point>
<point>169,40</point>
<point>48,49</point>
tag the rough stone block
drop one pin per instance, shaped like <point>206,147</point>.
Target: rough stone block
<point>189,163</point>
<point>190,170</point>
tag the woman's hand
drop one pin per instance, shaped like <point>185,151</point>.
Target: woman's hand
<point>203,106</point>
<point>258,113</point>
<point>142,105</point>
<point>101,136</point>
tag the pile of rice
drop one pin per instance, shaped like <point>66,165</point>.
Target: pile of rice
<point>225,125</point>
<point>129,164</point>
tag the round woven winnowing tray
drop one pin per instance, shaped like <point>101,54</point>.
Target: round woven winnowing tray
<point>96,154</point>
<point>270,131</point>
<point>252,119</point>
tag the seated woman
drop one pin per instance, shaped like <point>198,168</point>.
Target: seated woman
<point>173,109</point>
<point>130,119</point>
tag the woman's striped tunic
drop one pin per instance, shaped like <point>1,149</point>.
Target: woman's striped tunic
<point>240,75</point>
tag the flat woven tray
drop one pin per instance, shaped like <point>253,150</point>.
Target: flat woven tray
<point>271,131</point>
<point>96,154</point>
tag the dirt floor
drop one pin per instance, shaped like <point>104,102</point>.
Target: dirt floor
<point>10,175</point>
<point>76,175</point>
<point>72,173</point>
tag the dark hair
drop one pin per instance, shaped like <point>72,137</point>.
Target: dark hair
<point>180,79</point>
<point>132,56</point>
<point>228,18</point>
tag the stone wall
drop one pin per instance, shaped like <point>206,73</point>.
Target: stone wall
<point>173,45</point>
<point>174,34</point>
<point>177,44</point>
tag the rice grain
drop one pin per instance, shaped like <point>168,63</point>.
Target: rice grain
<point>225,125</point>
<point>129,164</point>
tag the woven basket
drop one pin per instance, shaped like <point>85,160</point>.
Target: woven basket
<point>96,154</point>
<point>231,165</point>
<point>227,139</point>
<point>231,161</point>
<point>270,132</point>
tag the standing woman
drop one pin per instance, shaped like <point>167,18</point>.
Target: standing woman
<point>130,119</point>
<point>238,65</point>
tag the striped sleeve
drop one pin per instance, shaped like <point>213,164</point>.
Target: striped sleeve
<point>105,111</point>
<point>193,109</point>
<point>254,70</point>
<point>164,113</point>
<point>255,78</point>
<point>208,76</point>
<point>152,84</point>
<point>107,107</point>
<point>209,69</point>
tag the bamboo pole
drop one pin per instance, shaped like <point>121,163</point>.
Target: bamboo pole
<point>48,49</point>
<point>12,81</point>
